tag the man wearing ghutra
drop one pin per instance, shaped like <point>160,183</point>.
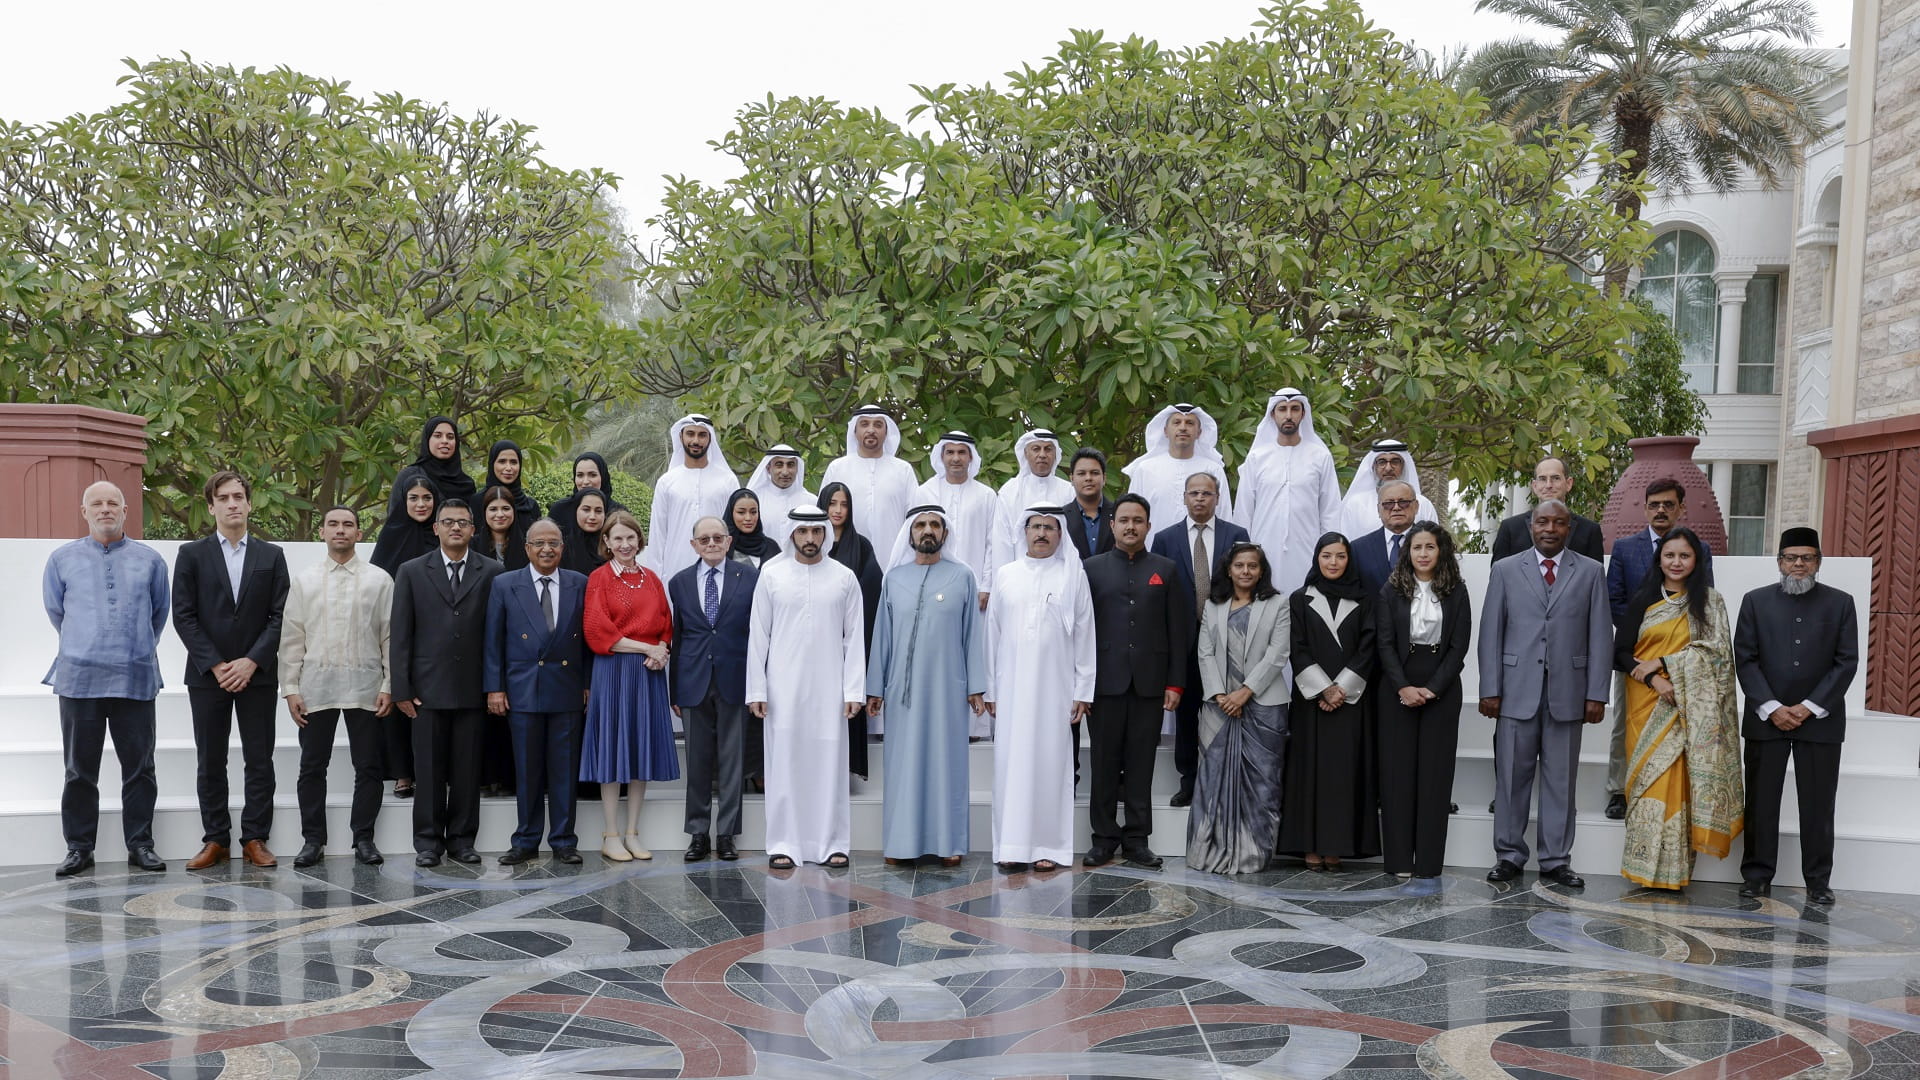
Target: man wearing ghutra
<point>1387,461</point>
<point>807,612</point>
<point>1181,440</point>
<point>880,483</point>
<point>929,672</point>
<point>1289,491</point>
<point>780,483</point>
<point>971,508</point>
<point>1038,484</point>
<point>696,484</point>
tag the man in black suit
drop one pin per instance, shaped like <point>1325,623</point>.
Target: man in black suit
<point>1550,481</point>
<point>1796,650</point>
<point>1197,545</point>
<point>1375,553</point>
<point>438,636</point>
<point>1143,630</point>
<point>712,604</point>
<point>1090,517</point>
<point>229,595</point>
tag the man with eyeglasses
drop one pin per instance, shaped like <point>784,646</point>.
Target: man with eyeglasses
<point>1795,648</point>
<point>1375,552</point>
<point>438,635</point>
<point>1387,461</point>
<point>712,604</point>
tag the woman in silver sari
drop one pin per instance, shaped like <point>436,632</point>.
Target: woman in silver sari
<point>1243,649</point>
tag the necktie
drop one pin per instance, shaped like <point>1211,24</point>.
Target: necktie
<point>546,603</point>
<point>713,597</point>
<point>1548,565</point>
<point>1202,572</point>
<point>453,572</point>
<point>1393,550</point>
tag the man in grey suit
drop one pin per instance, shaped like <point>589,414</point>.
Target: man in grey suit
<point>1546,639</point>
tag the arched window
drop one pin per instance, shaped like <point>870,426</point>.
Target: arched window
<point>1678,282</point>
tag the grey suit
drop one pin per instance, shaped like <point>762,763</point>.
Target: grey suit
<point>1544,652</point>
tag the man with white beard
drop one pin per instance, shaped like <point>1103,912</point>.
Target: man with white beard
<point>880,482</point>
<point>971,506</point>
<point>806,678</point>
<point>1289,491</point>
<point>780,483</point>
<point>1181,440</point>
<point>696,484</point>
<point>1038,455</point>
<point>1386,462</point>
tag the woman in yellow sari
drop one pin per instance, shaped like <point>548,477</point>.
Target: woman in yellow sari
<point>1684,793</point>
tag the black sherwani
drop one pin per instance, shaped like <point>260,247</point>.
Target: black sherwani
<point>1143,622</point>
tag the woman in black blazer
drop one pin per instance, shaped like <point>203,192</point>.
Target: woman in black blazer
<point>1424,623</point>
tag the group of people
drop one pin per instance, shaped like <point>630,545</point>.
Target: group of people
<point>487,643</point>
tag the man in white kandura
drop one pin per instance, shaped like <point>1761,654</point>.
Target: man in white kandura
<point>696,484</point>
<point>879,481</point>
<point>1181,440</point>
<point>1041,649</point>
<point>1289,491</point>
<point>971,506</point>
<point>806,677</point>
<point>1388,460</point>
<point>780,483</point>
<point>1037,484</point>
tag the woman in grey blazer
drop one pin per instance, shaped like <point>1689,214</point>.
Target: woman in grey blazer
<point>1243,647</point>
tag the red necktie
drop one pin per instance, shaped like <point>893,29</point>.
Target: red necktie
<point>1548,563</point>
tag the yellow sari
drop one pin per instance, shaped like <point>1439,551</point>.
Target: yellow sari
<point>1684,791</point>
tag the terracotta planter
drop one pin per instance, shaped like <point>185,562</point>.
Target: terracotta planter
<point>1653,459</point>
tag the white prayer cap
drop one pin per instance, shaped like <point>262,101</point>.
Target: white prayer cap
<point>938,458</point>
<point>762,480</point>
<point>903,552</point>
<point>717,459</point>
<point>799,517</point>
<point>1021,468</point>
<point>888,448</point>
<point>1268,433</point>
<point>1059,516</point>
<point>1365,483</point>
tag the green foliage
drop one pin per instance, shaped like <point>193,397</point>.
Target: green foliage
<point>1124,225</point>
<point>1654,400</point>
<point>554,482</point>
<point>288,279</point>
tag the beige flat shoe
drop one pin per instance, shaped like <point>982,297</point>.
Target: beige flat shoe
<point>633,845</point>
<point>611,848</point>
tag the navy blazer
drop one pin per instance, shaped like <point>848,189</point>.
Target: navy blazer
<point>1370,557</point>
<point>541,671</point>
<point>710,654</point>
<point>1632,558</point>
<point>1172,543</point>
<point>1077,528</point>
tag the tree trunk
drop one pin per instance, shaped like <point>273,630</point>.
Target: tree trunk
<point>1636,138</point>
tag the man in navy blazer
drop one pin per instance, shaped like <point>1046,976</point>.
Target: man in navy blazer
<point>1374,553</point>
<point>707,672</point>
<point>535,674</point>
<point>1216,536</point>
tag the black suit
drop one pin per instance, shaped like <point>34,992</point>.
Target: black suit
<point>216,627</point>
<point>1373,557</point>
<point>1176,544</point>
<point>707,671</point>
<point>1516,535</point>
<point>1418,745</point>
<point>1077,531</point>
<point>1143,629</point>
<point>438,647</point>
<point>1794,649</point>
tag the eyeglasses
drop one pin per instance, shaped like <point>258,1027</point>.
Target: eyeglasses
<point>708,539</point>
<point>1662,504</point>
<point>1043,526</point>
<point>543,545</point>
<point>1395,504</point>
<point>456,523</point>
<point>1799,560</point>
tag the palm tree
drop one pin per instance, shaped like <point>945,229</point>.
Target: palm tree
<point>1686,87</point>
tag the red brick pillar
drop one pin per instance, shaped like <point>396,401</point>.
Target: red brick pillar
<point>50,453</point>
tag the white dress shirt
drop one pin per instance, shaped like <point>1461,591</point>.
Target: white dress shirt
<point>538,577</point>
<point>1423,615</point>
<point>236,556</point>
<point>1207,534</point>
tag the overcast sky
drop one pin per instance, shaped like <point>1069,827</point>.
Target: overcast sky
<point>637,89</point>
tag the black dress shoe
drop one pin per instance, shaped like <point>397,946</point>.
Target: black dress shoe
<point>568,855</point>
<point>75,862</point>
<point>516,856</point>
<point>1145,857</point>
<point>465,855</point>
<point>144,859</point>
<point>1097,856</point>
<point>1564,875</point>
<point>1453,808</point>
<point>1490,806</point>
<point>1503,871</point>
<point>1183,797</point>
<point>723,847</point>
<point>700,848</point>
<point>1819,894</point>
<point>427,858</point>
<point>1754,890</point>
<point>309,855</point>
<point>367,854</point>
<point>1617,807</point>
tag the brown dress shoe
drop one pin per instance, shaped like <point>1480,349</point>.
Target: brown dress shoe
<point>256,853</point>
<point>212,853</point>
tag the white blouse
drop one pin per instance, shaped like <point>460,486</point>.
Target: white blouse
<point>1423,615</point>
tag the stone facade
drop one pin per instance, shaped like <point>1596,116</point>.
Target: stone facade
<point>1888,373</point>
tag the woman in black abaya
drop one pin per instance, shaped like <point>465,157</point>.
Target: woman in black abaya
<point>854,552</point>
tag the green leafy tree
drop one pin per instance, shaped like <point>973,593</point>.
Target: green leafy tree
<point>1654,400</point>
<point>287,279</point>
<point>1125,225</point>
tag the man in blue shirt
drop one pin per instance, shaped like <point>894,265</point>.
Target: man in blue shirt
<point>107,597</point>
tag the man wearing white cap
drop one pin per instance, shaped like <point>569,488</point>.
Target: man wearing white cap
<point>1289,491</point>
<point>780,483</point>
<point>1387,461</point>
<point>971,506</point>
<point>881,484</point>
<point>806,677</point>
<point>1037,484</point>
<point>1041,648</point>
<point>696,485</point>
<point>1181,440</point>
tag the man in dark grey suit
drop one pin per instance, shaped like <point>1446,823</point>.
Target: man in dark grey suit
<point>1546,639</point>
<point>1796,649</point>
<point>1550,481</point>
<point>712,603</point>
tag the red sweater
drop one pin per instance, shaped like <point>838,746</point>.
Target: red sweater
<point>617,608</point>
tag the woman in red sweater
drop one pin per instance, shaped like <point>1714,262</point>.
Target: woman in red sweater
<point>629,730</point>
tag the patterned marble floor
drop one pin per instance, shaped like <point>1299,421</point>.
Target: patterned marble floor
<point>724,969</point>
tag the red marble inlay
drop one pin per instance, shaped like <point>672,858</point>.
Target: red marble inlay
<point>1782,1055</point>
<point>698,981</point>
<point>707,1047</point>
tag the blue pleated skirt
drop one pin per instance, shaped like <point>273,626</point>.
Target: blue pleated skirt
<point>629,732</point>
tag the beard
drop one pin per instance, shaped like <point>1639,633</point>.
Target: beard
<point>807,551</point>
<point>1794,586</point>
<point>695,452</point>
<point>927,545</point>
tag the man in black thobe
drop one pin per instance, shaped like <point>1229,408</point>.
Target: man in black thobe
<point>1142,623</point>
<point>1795,649</point>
